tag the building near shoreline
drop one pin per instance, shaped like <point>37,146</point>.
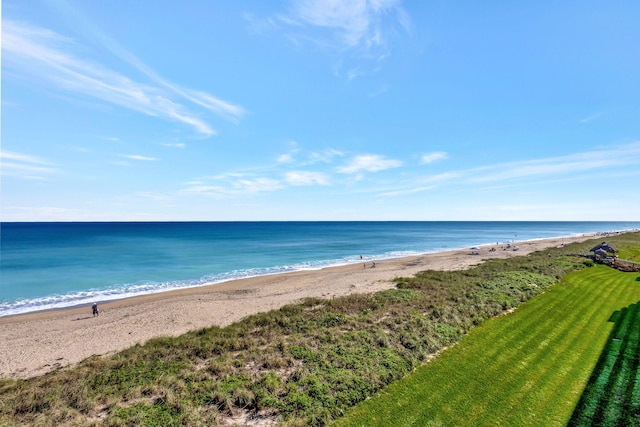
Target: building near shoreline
<point>603,250</point>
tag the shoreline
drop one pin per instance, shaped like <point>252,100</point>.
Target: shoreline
<point>38,342</point>
<point>128,295</point>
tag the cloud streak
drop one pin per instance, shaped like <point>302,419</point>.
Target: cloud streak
<point>48,57</point>
<point>361,28</point>
<point>24,166</point>
<point>239,186</point>
<point>369,163</point>
<point>140,157</point>
<point>609,157</point>
<point>432,157</point>
<point>305,178</point>
<point>355,23</point>
<point>406,182</point>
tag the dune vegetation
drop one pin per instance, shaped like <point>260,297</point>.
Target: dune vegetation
<point>309,363</point>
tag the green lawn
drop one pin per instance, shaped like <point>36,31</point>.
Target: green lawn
<point>531,367</point>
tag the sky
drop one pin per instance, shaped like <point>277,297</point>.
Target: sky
<point>204,110</point>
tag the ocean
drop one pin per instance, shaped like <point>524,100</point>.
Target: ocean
<point>54,265</point>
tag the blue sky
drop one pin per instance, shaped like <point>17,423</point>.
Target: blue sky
<point>320,110</point>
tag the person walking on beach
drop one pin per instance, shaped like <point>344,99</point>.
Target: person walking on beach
<point>95,310</point>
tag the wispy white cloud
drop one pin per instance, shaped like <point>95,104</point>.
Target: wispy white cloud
<point>305,178</point>
<point>24,170</point>
<point>591,117</point>
<point>607,157</point>
<point>259,25</point>
<point>432,157</point>
<point>412,184</point>
<point>362,29</point>
<point>289,170</point>
<point>77,149</point>
<point>140,157</point>
<point>405,191</point>
<point>609,161</point>
<point>406,182</point>
<point>325,156</point>
<point>25,158</point>
<point>24,166</point>
<point>303,158</point>
<point>289,156</point>
<point>369,163</point>
<point>257,185</point>
<point>232,185</point>
<point>239,184</point>
<point>174,145</point>
<point>443,177</point>
<point>215,105</point>
<point>204,188</point>
<point>355,23</point>
<point>379,91</point>
<point>50,57</point>
<point>45,213</point>
<point>285,158</point>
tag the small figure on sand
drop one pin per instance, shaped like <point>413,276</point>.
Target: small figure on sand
<point>95,309</point>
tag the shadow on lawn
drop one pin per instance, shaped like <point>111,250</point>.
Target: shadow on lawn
<point>612,395</point>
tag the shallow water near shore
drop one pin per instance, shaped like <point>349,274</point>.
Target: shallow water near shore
<point>54,265</point>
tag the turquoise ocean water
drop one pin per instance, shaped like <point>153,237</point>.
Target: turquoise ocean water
<point>54,265</point>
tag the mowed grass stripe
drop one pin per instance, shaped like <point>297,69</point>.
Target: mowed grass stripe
<point>527,368</point>
<point>596,394</point>
<point>501,355</point>
<point>635,398</point>
<point>547,348</point>
<point>596,388</point>
<point>528,389</point>
<point>631,405</point>
<point>558,405</point>
<point>518,351</point>
<point>609,397</point>
<point>625,368</point>
<point>519,330</point>
<point>567,364</point>
<point>619,377</point>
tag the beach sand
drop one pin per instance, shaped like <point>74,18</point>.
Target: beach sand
<point>35,343</point>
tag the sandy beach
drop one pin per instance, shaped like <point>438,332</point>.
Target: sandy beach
<point>35,343</point>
